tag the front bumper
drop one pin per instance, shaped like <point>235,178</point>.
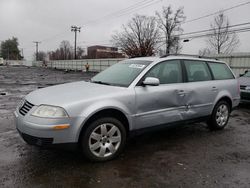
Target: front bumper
<point>32,140</point>
<point>40,132</point>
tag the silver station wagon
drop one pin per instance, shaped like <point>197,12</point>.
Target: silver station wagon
<point>134,94</point>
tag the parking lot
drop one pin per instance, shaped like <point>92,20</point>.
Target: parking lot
<point>185,156</point>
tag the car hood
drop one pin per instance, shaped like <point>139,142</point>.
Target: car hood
<point>245,81</point>
<point>65,94</point>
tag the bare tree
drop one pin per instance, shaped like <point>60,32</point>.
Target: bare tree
<point>222,39</point>
<point>139,37</point>
<point>170,24</point>
<point>66,50</point>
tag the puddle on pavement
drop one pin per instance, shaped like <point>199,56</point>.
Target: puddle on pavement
<point>3,93</point>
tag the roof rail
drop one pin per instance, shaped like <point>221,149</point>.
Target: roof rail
<point>190,55</point>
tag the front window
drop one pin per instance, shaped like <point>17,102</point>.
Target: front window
<point>167,72</point>
<point>122,73</point>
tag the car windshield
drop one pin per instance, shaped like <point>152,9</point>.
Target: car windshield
<point>247,74</point>
<point>122,73</point>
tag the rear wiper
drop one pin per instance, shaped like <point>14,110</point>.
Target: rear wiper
<point>100,82</point>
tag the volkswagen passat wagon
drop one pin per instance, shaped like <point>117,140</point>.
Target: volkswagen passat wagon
<point>131,95</point>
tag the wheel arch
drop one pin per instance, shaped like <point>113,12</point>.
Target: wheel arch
<point>227,99</point>
<point>106,112</point>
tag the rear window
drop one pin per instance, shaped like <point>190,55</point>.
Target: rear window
<point>220,71</point>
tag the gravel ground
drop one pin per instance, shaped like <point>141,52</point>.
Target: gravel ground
<point>187,156</point>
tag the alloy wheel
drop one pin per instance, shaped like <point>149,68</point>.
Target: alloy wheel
<point>222,115</point>
<point>105,140</point>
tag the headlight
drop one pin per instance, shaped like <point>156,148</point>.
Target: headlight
<point>50,112</point>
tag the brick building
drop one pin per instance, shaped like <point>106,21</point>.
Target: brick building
<point>96,52</point>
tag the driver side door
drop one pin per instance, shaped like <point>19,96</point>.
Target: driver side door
<point>165,103</point>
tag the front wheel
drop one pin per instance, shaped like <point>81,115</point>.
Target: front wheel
<point>220,116</point>
<point>103,139</point>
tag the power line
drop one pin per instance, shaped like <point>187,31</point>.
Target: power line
<point>202,31</point>
<point>122,12</point>
<point>240,30</point>
<point>217,12</point>
<point>191,34</point>
<point>118,12</point>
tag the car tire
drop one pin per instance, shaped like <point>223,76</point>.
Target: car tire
<point>103,140</point>
<point>220,116</point>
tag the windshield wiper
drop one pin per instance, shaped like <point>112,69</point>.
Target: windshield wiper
<point>100,82</point>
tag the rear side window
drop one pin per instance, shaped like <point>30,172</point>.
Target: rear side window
<point>197,71</point>
<point>220,71</point>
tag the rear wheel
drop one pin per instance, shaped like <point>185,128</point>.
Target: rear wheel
<point>103,139</point>
<point>220,116</point>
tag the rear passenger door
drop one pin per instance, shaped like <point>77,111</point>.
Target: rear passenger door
<point>200,89</point>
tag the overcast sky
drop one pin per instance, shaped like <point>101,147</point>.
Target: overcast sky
<point>49,21</point>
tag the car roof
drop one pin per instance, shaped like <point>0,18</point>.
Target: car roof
<point>174,57</point>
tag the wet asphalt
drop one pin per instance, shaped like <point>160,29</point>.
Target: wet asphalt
<point>185,156</point>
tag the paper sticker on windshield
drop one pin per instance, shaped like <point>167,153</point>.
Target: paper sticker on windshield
<point>137,66</point>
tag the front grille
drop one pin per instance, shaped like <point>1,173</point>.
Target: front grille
<point>36,140</point>
<point>25,108</point>
<point>243,87</point>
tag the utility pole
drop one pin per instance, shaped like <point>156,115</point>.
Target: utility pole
<point>75,29</point>
<point>36,42</point>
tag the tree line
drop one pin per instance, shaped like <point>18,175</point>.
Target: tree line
<point>9,50</point>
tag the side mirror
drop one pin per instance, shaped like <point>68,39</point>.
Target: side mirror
<point>151,81</point>
<point>241,75</point>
